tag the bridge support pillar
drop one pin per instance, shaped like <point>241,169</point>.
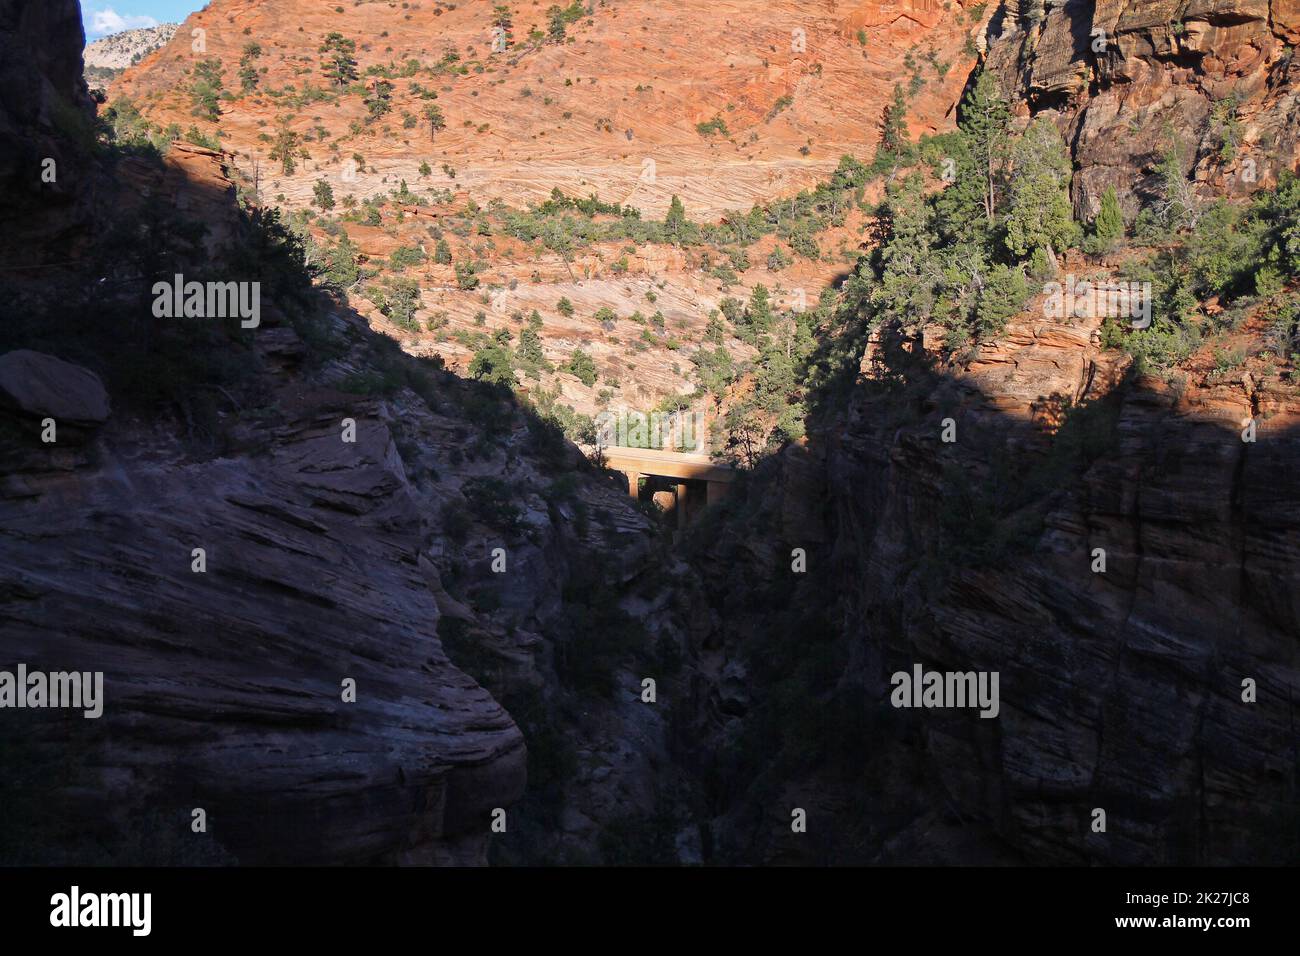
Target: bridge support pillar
<point>681,506</point>
<point>634,484</point>
<point>717,490</point>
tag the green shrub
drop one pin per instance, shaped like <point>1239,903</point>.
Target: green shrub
<point>717,125</point>
<point>490,501</point>
<point>582,365</point>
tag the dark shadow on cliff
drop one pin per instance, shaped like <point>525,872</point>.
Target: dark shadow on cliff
<point>206,390</point>
<point>968,556</point>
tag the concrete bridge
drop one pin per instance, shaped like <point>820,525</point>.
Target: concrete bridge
<point>672,473</point>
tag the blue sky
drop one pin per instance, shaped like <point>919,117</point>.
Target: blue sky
<point>102,17</point>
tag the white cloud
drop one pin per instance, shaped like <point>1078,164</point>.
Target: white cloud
<point>108,20</point>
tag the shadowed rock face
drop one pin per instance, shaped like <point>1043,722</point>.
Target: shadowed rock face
<point>44,115</point>
<point>1121,75</point>
<point>1120,690</point>
<point>322,564</point>
<point>225,687</point>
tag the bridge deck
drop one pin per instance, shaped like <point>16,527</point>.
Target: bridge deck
<point>668,464</point>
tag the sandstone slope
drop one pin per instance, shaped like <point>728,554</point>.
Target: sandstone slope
<point>629,85</point>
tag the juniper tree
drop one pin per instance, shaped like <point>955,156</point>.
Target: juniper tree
<point>324,195</point>
<point>205,90</point>
<point>582,365</point>
<point>1040,218</point>
<point>1108,224</point>
<point>492,363</point>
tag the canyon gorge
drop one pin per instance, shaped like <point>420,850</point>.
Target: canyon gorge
<point>475,228</point>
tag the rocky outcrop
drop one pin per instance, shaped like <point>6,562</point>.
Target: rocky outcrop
<point>238,568</point>
<point>1126,81</point>
<point>45,118</point>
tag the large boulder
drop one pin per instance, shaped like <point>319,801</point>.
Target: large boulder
<point>48,387</point>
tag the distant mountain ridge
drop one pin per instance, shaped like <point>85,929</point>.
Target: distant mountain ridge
<point>108,56</point>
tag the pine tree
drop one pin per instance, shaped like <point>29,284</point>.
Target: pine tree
<point>205,91</point>
<point>555,237</point>
<point>341,269</point>
<point>504,22</point>
<point>985,120</point>
<point>1281,211</point>
<point>912,270</point>
<point>248,75</point>
<point>433,116</point>
<point>675,223</point>
<point>759,313</point>
<point>894,140</point>
<point>1002,296</point>
<point>442,253</point>
<point>1178,205</point>
<point>555,27</point>
<point>285,149</point>
<point>340,62</point>
<point>530,348</point>
<point>379,99</point>
<point>960,211</point>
